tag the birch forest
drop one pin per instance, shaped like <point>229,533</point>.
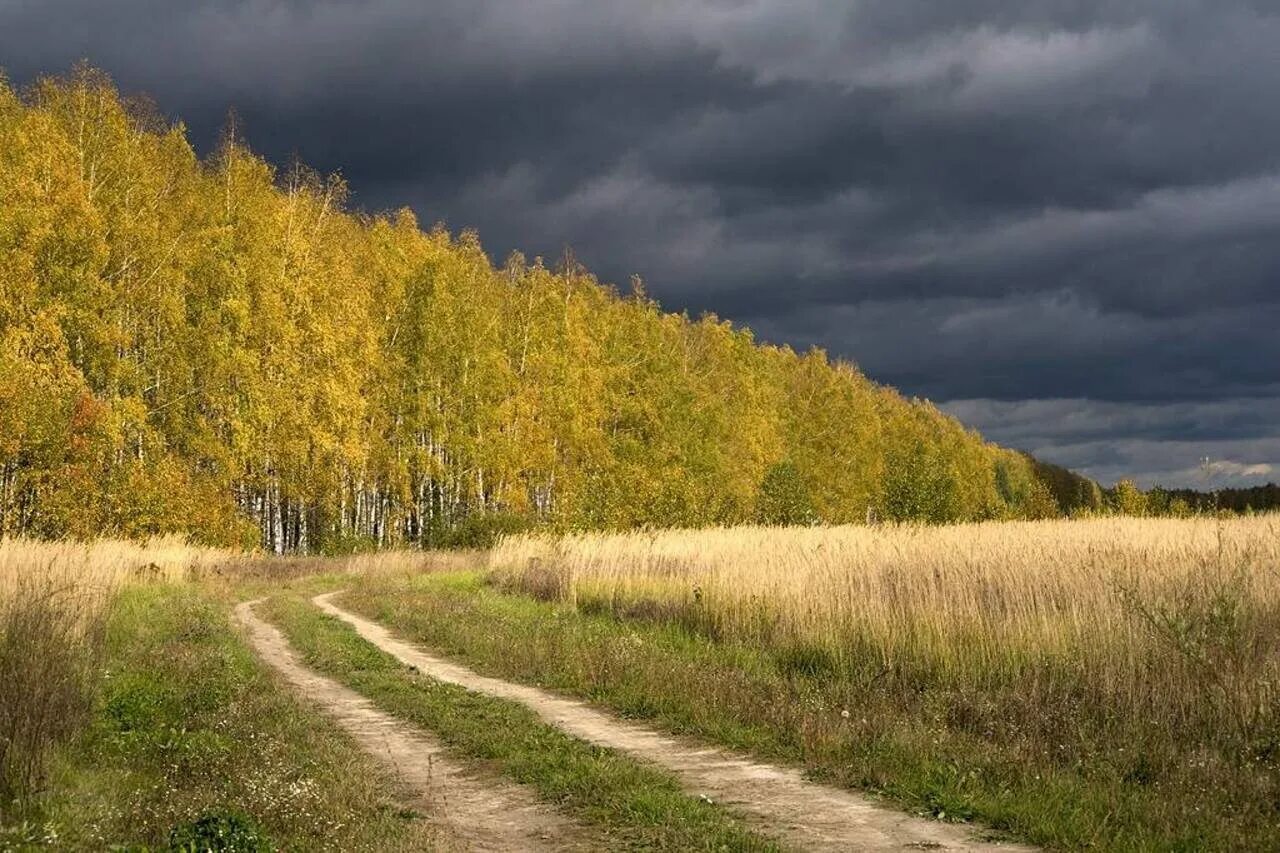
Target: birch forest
<point>222,348</point>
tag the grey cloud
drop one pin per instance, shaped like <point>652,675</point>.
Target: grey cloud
<point>1157,444</point>
<point>1062,420</point>
<point>1036,344</point>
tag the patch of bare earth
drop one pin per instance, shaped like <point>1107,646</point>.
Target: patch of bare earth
<point>775,801</point>
<point>477,810</point>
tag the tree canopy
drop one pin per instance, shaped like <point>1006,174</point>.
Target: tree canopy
<point>222,348</point>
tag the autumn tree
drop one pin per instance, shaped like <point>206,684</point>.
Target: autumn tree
<point>1128,499</point>
<point>223,348</point>
<point>784,497</point>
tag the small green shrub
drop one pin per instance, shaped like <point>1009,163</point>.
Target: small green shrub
<point>483,530</point>
<point>344,544</point>
<point>1225,639</point>
<point>219,832</point>
<point>806,659</point>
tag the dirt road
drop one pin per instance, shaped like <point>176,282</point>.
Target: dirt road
<point>478,811</point>
<point>775,801</point>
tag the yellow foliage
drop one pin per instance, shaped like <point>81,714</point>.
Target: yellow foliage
<point>209,347</point>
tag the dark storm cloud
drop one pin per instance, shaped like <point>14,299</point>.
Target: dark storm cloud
<point>1160,444</point>
<point>1056,207</point>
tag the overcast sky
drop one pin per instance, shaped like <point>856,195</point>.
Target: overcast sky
<point>1059,220</point>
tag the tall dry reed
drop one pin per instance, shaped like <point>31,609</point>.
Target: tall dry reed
<point>103,564</point>
<point>1179,618</point>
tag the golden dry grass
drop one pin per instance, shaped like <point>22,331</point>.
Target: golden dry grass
<point>102,565</point>
<point>1105,599</point>
<point>98,568</point>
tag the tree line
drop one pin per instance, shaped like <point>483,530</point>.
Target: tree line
<point>218,347</point>
<point>1158,500</point>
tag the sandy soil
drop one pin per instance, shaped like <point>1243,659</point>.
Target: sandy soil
<point>775,801</point>
<point>476,810</point>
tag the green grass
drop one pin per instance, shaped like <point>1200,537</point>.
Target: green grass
<point>949,755</point>
<point>634,805</point>
<point>188,726</point>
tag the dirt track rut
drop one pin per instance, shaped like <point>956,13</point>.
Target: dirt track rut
<point>776,801</point>
<point>478,811</point>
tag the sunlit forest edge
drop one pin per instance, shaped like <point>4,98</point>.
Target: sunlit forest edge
<point>221,348</point>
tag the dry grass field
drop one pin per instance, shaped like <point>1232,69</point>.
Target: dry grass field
<point>1139,657</point>
<point>1106,596</point>
<point>102,564</point>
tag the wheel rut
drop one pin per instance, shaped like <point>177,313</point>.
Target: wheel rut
<point>776,801</point>
<point>479,811</point>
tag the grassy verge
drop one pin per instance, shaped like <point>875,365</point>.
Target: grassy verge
<point>933,751</point>
<point>191,739</point>
<point>634,805</point>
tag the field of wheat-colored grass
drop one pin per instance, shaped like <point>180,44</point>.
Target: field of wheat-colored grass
<point>1107,602</point>
<point>96,569</point>
<point>102,565</point>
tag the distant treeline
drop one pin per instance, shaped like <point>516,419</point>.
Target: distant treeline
<point>1237,500</point>
<point>219,348</point>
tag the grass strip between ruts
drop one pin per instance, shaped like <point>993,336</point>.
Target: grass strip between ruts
<point>635,805</point>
